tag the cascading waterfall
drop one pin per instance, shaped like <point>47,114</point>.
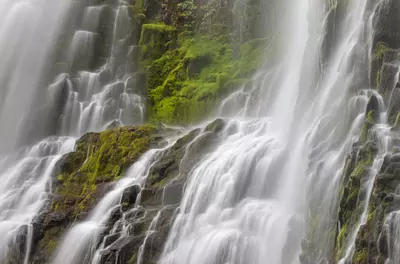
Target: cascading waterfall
<point>268,188</point>
<point>38,126</point>
<point>292,142</point>
<point>25,171</point>
<point>258,205</point>
<point>79,245</point>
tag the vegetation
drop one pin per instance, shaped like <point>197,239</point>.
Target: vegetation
<point>189,54</point>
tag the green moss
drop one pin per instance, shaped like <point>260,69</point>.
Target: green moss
<point>133,259</point>
<point>138,11</point>
<point>187,82</point>
<point>360,256</point>
<point>99,157</point>
<point>50,240</point>
<point>340,241</point>
<point>396,123</point>
<point>155,40</point>
<point>381,49</point>
<point>379,55</point>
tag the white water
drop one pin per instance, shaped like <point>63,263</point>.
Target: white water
<point>82,98</point>
<point>255,197</point>
<point>80,243</point>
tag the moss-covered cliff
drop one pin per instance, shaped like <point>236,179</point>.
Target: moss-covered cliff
<point>189,52</point>
<point>370,164</point>
<point>85,175</point>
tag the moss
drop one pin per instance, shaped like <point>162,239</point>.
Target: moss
<point>133,259</point>
<point>155,40</point>
<point>379,56</point>
<point>340,241</point>
<point>187,82</point>
<point>396,123</point>
<point>50,240</point>
<point>188,51</point>
<point>360,256</point>
<point>138,11</point>
<point>351,203</point>
<point>99,157</point>
<point>380,50</point>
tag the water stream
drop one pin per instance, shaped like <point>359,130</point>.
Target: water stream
<point>39,124</point>
<point>268,187</point>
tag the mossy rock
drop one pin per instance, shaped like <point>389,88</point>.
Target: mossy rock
<point>155,40</point>
<point>85,175</point>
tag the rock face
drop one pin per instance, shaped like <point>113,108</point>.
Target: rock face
<point>188,50</point>
<point>368,164</point>
<point>149,222</point>
<point>85,175</point>
<point>184,56</point>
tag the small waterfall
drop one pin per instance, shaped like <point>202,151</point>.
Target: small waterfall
<point>95,88</point>
<point>274,180</point>
<point>380,133</point>
<point>80,243</point>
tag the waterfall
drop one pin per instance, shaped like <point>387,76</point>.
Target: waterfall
<point>40,119</point>
<point>270,188</point>
<point>274,180</point>
<point>265,186</point>
<point>79,245</point>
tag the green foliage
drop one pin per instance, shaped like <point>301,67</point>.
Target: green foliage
<point>379,55</point>
<point>340,241</point>
<point>360,256</point>
<point>99,157</point>
<point>396,122</point>
<point>186,82</point>
<point>138,11</point>
<point>155,40</point>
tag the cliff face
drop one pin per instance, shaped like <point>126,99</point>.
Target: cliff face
<point>369,187</point>
<point>189,53</point>
<point>187,56</point>
<point>87,174</point>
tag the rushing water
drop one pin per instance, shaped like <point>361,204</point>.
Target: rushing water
<point>39,124</point>
<point>269,185</point>
<point>275,180</point>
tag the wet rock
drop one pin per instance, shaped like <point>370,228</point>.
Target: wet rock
<point>387,78</point>
<point>108,240</point>
<point>137,84</point>
<point>373,104</point>
<point>387,23</point>
<point>394,106</point>
<point>173,193</point>
<point>129,196</point>
<point>55,218</point>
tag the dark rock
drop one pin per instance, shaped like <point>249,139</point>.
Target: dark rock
<point>373,104</point>
<point>387,23</point>
<point>55,219</point>
<point>129,196</point>
<point>108,240</point>
<point>387,78</point>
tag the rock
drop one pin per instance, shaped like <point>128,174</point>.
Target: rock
<point>108,240</point>
<point>55,218</point>
<point>216,126</point>
<point>387,23</point>
<point>394,106</point>
<point>387,78</point>
<point>129,196</point>
<point>373,104</point>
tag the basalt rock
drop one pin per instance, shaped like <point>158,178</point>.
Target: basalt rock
<point>84,176</point>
